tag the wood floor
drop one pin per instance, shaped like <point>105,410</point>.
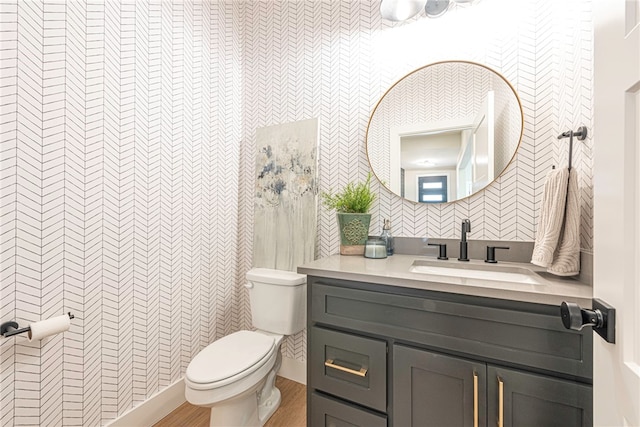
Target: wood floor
<point>291,413</point>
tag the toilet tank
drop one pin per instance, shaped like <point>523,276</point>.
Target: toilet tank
<point>278,300</point>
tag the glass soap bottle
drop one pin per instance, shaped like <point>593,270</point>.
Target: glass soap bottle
<point>386,236</point>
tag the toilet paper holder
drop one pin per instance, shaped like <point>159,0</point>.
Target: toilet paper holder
<point>8,329</point>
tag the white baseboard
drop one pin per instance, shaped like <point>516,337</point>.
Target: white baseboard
<point>153,409</point>
<point>294,370</point>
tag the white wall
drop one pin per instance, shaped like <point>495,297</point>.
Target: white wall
<point>120,146</point>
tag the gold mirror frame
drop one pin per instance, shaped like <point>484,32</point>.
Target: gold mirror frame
<point>450,71</point>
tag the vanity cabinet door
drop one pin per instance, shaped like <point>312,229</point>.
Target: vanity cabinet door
<point>432,389</point>
<point>528,399</point>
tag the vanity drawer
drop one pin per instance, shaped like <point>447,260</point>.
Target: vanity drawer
<point>349,366</point>
<point>328,412</point>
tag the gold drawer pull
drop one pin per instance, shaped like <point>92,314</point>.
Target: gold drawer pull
<point>361,373</point>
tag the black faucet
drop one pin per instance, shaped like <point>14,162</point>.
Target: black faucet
<point>442,252</point>
<point>491,253</point>
<point>466,228</point>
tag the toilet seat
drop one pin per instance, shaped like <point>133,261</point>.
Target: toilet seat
<point>229,359</point>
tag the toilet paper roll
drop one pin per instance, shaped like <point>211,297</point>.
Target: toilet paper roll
<point>45,328</point>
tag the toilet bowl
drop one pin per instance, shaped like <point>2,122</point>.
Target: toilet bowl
<point>235,375</point>
<point>232,375</point>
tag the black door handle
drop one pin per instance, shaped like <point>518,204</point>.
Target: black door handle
<point>602,318</point>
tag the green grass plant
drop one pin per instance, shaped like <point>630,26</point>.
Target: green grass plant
<point>354,198</point>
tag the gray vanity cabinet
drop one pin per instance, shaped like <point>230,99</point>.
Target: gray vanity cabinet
<point>382,355</point>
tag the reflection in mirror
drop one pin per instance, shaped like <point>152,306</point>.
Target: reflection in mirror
<point>444,132</point>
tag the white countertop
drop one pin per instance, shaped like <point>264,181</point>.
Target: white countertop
<point>395,271</point>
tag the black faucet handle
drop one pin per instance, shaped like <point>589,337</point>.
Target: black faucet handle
<point>466,226</point>
<point>442,253</point>
<point>491,253</point>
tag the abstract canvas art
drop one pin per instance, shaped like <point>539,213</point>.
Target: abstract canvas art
<point>285,196</point>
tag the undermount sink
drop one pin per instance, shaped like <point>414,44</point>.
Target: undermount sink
<point>500,273</point>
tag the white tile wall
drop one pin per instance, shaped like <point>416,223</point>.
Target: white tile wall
<point>120,147</point>
<point>127,132</point>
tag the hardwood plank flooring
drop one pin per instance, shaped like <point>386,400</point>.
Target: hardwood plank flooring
<point>291,413</point>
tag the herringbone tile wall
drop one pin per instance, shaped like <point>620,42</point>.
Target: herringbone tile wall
<point>120,147</point>
<point>128,135</point>
<point>335,59</point>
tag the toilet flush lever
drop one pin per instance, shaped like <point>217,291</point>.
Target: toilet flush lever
<point>248,285</point>
<point>602,318</point>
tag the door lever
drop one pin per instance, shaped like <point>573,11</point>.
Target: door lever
<point>602,318</point>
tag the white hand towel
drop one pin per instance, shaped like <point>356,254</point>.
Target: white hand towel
<point>566,260</point>
<point>551,217</point>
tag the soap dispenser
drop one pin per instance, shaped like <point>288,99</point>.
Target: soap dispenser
<point>386,236</point>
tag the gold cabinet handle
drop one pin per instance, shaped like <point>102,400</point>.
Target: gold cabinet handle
<point>500,402</point>
<point>361,373</point>
<point>475,399</point>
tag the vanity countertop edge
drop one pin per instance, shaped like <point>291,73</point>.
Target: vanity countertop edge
<point>395,271</point>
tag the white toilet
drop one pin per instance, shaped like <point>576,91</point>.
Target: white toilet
<point>235,375</point>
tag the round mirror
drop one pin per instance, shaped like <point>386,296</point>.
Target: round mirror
<point>444,132</point>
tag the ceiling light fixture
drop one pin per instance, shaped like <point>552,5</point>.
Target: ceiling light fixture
<point>436,8</point>
<point>401,10</point>
<point>426,162</point>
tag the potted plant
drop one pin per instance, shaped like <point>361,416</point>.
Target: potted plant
<point>352,206</point>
